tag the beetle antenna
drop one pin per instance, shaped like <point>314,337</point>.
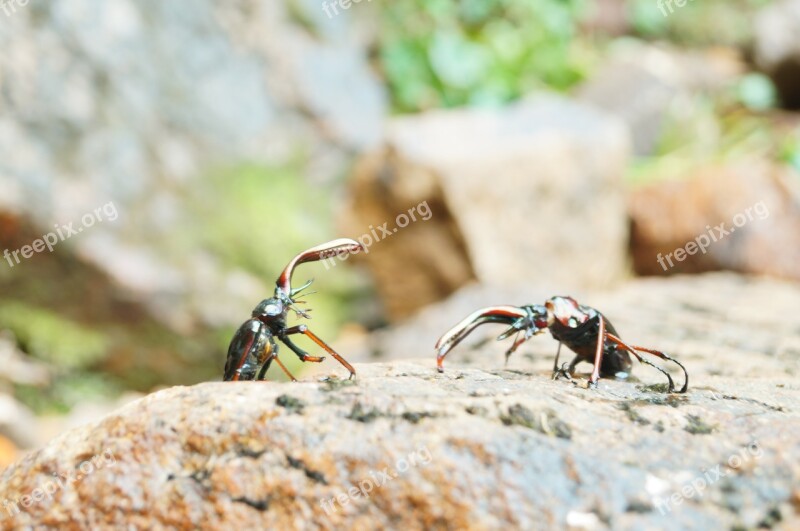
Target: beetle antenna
<point>295,291</point>
<point>300,313</point>
<point>298,299</point>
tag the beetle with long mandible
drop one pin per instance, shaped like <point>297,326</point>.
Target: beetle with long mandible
<point>253,345</point>
<point>584,330</point>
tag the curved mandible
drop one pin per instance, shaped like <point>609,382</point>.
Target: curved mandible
<point>319,252</point>
<point>493,314</point>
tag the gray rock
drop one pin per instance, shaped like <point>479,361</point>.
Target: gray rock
<point>530,191</point>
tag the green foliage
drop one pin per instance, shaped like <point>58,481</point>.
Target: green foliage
<point>52,338</point>
<point>789,150</point>
<point>256,217</point>
<point>446,53</point>
<point>714,131</point>
<point>67,391</point>
<point>698,22</point>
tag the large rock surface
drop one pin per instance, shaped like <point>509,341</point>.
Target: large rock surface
<point>528,191</point>
<point>477,447</point>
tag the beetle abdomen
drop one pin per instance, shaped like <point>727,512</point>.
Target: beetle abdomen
<point>247,351</point>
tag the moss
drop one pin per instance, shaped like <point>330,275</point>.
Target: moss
<point>477,410</point>
<point>290,403</point>
<point>697,426</point>
<point>545,422</point>
<point>334,383</point>
<point>632,414</point>
<point>414,417</point>
<point>361,414</point>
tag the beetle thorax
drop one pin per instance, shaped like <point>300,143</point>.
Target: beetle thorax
<point>269,308</point>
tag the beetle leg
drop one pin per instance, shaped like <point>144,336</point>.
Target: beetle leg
<point>555,363</point>
<point>567,370</point>
<point>515,346</point>
<point>598,356</point>
<point>267,355</point>
<point>633,349</point>
<point>663,356</point>
<point>263,373</point>
<point>303,355</point>
<point>303,329</point>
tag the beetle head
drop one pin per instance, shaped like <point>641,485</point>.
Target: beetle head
<point>538,316</point>
<point>566,311</point>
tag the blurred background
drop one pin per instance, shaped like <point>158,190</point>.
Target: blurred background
<point>562,143</point>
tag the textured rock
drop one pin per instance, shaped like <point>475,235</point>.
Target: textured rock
<point>531,190</point>
<point>764,240</point>
<point>471,448</point>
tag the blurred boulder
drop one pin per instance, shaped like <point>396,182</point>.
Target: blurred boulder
<point>130,103</point>
<point>777,48</point>
<point>17,423</point>
<point>17,368</point>
<point>526,193</point>
<point>741,217</point>
<point>644,85</point>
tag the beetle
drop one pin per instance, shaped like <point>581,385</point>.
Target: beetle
<point>583,329</point>
<point>254,343</point>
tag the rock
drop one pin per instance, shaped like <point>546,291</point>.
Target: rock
<point>474,447</point>
<point>777,48</point>
<point>757,203</point>
<point>531,191</point>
